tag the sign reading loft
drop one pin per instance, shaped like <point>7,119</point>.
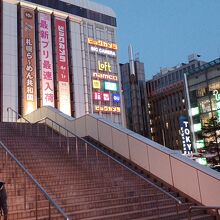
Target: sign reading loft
<point>106,96</point>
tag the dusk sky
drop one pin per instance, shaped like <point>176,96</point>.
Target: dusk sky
<point>165,32</point>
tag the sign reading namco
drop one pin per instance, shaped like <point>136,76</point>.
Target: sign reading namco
<point>105,76</point>
<point>101,43</point>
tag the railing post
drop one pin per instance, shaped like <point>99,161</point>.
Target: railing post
<point>49,211</point>
<point>52,132</point>
<point>68,143</point>
<point>158,210</point>
<point>25,193</point>
<point>59,137</point>
<point>8,113</point>
<point>76,149</point>
<point>36,202</point>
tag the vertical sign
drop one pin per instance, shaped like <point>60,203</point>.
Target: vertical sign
<point>47,84</point>
<point>29,93</point>
<point>185,134</point>
<point>62,67</point>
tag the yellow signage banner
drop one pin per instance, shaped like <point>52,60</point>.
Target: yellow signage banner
<point>96,84</point>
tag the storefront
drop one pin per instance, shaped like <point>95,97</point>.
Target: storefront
<point>204,95</point>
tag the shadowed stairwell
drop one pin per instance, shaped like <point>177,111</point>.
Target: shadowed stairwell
<point>83,181</point>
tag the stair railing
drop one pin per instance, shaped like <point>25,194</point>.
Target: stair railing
<point>63,132</point>
<point>38,187</point>
<point>214,209</point>
<point>14,116</point>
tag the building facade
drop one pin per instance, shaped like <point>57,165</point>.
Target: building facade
<point>134,94</point>
<point>167,103</point>
<point>204,96</point>
<point>62,54</point>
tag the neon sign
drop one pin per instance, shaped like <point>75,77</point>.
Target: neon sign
<point>217,96</point>
<point>106,97</point>
<point>101,43</point>
<point>97,96</point>
<point>104,66</point>
<point>116,97</point>
<point>113,109</point>
<point>102,51</point>
<point>185,134</point>
<point>96,84</point>
<point>105,76</point>
<point>110,86</point>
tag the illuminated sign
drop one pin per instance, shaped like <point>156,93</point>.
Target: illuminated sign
<point>200,144</point>
<point>185,134</point>
<point>202,161</point>
<point>62,66</point>
<point>197,127</point>
<point>116,97</point>
<point>106,97</point>
<point>101,43</point>
<point>217,96</point>
<point>29,88</point>
<point>105,76</point>
<point>45,41</point>
<point>110,86</point>
<point>97,95</point>
<point>195,111</point>
<point>112,109</point>
<point>96,84</point>
<point>102,51</point>
<point>104,66</point>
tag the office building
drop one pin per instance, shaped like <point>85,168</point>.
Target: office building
<point>134,94</point>
<point>167,103</point>
<point>204,95</point>
<point>61,54</point>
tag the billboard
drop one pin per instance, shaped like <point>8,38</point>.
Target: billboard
<point>116,97</point>
<point>185,134</point>
<point>110,86</point>
<point>45,44</point>
<point>29,88</point>
<point>63,86</point>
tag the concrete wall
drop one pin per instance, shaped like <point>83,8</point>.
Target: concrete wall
<point>10,59</point>
<point>199,182</point>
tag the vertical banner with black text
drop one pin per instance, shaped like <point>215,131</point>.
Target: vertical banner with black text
<point>29,88</point>
<point>46,60</point>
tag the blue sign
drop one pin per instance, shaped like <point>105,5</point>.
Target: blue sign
<point>116,97</point>
<point>185,134</point>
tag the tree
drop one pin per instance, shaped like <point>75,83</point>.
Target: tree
<point>211,135</point>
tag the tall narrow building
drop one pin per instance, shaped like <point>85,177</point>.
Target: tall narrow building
<point>134,93</point>
<point>62,54</point>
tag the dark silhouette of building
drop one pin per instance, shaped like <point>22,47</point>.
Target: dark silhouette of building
<point>167,103</point>
<point>134,93</point>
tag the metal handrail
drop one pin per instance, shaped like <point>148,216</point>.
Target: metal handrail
<point>216,208</point>
<point>179,202</point>
<point>17,114</point>
<point>87,142</point>
<point>35,182</point>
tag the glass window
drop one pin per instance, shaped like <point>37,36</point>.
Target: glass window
<point>204,105</point>
<point>201,92</point>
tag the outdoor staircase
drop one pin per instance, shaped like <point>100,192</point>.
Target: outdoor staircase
<point>83,181</point>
